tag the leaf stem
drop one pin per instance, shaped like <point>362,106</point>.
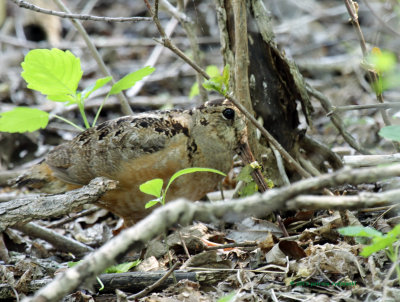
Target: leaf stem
<point>69,122</point>
<point>99,110</point>
<point>81,107</point>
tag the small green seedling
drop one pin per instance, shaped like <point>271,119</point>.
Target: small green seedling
<point>250,186</point>
<point>228,297</point>
<point>154,187</point>
<point>217,82</point>
<point>379,241</point>
<point>56,74</point>
<point>384,64</point>
<point>390,132</point>
<point>115,269</point>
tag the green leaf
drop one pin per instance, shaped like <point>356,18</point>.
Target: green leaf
<point>191,170</point>
<point>99,83</point>
<point>122,268</point>
<point>359,231</point>
<point>64,98</point>
<point>73,263</point>
<point>212,71</point>
<point>378,244</point>
<point>245,174</point>
<point>249,189</point>
<point>212,85</point>
<point>23,119</point>
<point>395,231</point>
<point>382,61</point>
<point>153,202</point>
<point>52,72</point>
<point>390,132</point>
<point>226,75</point>
<point>152,187</point>
<point>228,298</point>
<point>130,79</point>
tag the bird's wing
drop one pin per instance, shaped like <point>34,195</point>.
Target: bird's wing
<point>105,149</point>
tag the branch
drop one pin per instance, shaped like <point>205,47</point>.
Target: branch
<point>125,108</point>
<point>41,206</point>
<point>370,160</point>
<point>188,26</point>
<point>156,284</point>
<point>184,212</point>
<point>60,242</point>
<point>352,9</point>
<point>336,120</point>
<point>167,43</point>
<point>362,200</point>
<point>359,107</point>
<point>84,17</point>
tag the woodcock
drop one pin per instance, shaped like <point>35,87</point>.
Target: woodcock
<point>134,149</point>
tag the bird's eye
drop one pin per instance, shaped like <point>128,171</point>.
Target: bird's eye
<point>229,114</point>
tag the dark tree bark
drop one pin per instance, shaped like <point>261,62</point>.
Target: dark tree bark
<point>275,85</point>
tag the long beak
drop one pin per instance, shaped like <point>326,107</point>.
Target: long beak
<point>248,158</point>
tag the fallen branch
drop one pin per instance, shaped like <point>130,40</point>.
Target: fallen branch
<point>60,242</point>
<point>130,282</point>
<point>149,288</point>
<point>370,160</point>
<point>184,212</point>
<point>26,209</point>
<point>361,200</point>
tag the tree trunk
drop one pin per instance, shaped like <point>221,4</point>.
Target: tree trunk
<point>274,83</point>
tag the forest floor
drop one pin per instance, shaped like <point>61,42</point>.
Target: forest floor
<point>245,258</point>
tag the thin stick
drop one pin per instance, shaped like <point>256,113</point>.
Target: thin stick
<point>155,285</point>
<point>83,17</point>
<point>352,8</point>
<point>359,107</point>
<point>167,43</point>
<point>125,108</point>
<point>336,120</point>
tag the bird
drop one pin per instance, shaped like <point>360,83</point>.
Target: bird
<point>136,148</point>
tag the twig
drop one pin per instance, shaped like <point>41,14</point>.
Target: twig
<point>155,285</point>
<point>232,245</point>
<point>125,108</point>
<point>352,8</point>
<point>60,242</point>
<point>152,60</point>
<point>359,107</point>
<point>183,212</point>
<point>288,158</point>
<point>377,17</point>
<point>188,26</point>
<point>308,143</point>
<point>362,200</point>
<point>280,165</point>
<point>72,217</point>
<point>167,43</point>
<point>336,120</point>
<point>183,244</point>
<point>370,160</point>
<point>83,17</point>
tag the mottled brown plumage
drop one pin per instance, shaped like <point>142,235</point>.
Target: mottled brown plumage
<point>137,148</point>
